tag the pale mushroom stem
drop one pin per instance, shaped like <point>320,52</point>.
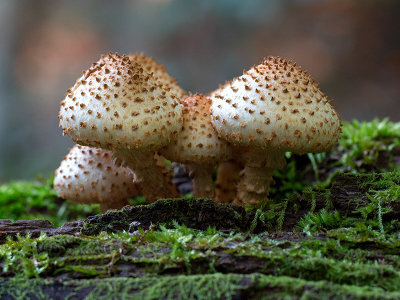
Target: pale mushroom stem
<point>227,181</point>
<point>201,176</point>
<point>153,181</point>
<point>256,176</point>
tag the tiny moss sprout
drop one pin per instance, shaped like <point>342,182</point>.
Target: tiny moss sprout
<point>321,221</point>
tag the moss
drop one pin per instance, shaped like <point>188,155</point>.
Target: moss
<point>213,286</point>
<point>362,141</point>
<point>368,202</point>
<point>321,221</point>
<point>271,287</point>
<point>185,251</point>
<point>21,257</point>
<point>32,200</point>
<point>177,249</point>
<point>209,286</point>
<point>196,213</point>
<point>363,147</point>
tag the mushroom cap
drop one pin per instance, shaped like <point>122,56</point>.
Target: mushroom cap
<point>116,104</point>
<point>159,72</point>
<point>275,105</point>
<point>88,175</point>
<point>198,141</point>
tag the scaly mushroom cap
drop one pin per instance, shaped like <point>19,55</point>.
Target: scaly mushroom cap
<point>88,175</point>
<point>198,142</point>
<point>159,72</point>
<point>117,105</point>
<point>275,105</point>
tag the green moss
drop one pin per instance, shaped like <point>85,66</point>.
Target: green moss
<point>383,193</point>
<point>321,221</point>
<point>213,286</point>
<point>37,200</point>
<point>19,288</point>
<point>271,287</point>
<point>208,286</point>
<point>187,251</point>
<point>197,213</point>
<point>373,214</point>
<point>359,149</point>
<point>218,286</point>
<point>364,140</point>
<point>28,200</point>
<point>22,257</point>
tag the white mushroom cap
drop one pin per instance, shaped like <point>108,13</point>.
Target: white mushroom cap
<point>118,105</point>
<point>198,142</point>
<point>88,175</point>
<point>159,72</point>
<point>275,105</point>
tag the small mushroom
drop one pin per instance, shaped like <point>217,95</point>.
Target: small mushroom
<point>198,146</point>
<point>118,106</point>
<point>272,108</point>
<point>88,175</point>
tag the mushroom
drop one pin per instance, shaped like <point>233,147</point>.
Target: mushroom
<point>159,72</point>
<point>198,146</point>
<point>227,180</point>
<point>118,106</point>
<point>88,175</point>
<point>272,108</point>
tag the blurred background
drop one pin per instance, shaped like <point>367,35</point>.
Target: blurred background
<point>351,47</point>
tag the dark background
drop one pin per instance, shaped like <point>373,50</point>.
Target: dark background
<point>351,47</point>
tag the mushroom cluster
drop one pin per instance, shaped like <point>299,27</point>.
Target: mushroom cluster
<point>130,108</point>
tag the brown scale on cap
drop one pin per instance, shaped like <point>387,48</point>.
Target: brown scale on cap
<point>293,107</point>
<point>88,175</point>
<point>158,71</point>
<point>129,104</point>
<point>124,81</point>
<point>198,145</point>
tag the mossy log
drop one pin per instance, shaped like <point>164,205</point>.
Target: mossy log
<point>194,213</point>
<point>185,264</point>
<point>151,252</point>
<point>348,193</point>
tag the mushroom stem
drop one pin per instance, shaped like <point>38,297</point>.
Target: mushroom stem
<point>227,180</point>
<point>153,180</point>
<point>256,176</point>
<point>201,176</point>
